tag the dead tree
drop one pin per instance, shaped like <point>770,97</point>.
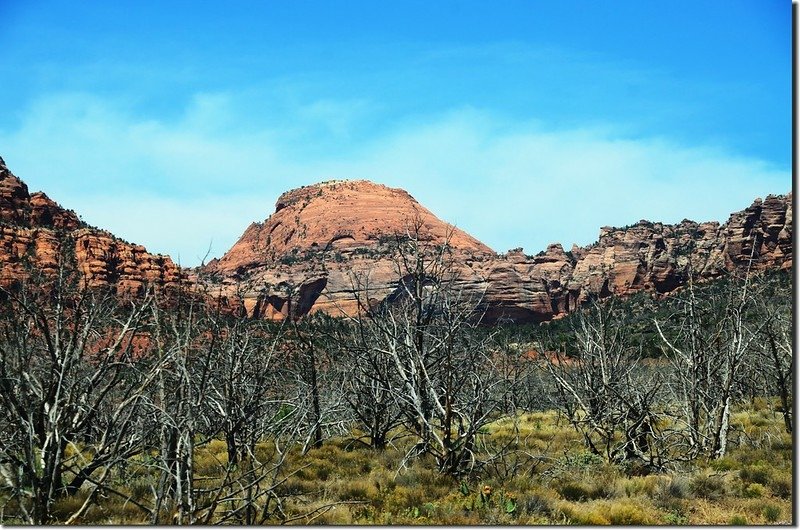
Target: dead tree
<point>774,349</point>
<point>442,373</point>
<point>177,403</point>
<point>218,379</point>
<point>708,342</point>
<point>70,386</point>
<point>251,401</point>
<point>368,377</point>
<point>305,355</point>
<point>604,390</point>
<point>520,385</point>
<point>244,385</point>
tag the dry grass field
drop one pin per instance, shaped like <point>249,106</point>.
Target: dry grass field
<point>544,476</point>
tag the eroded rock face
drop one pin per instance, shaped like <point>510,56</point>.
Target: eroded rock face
<point>335,217</point>
<point>325,242</point>
<point>321,241</point>
<point>328,240</point>
<point>36,234</point>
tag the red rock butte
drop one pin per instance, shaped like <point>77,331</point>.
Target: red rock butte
<point>338,215</point>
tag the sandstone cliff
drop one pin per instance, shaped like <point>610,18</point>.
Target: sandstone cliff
<point>36,234</point>
<point>325,239</point>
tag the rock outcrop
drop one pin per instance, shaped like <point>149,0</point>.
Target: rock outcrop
<point>323,238</point>
<point>36,234</point>
<point>327,240</point>
<point>335,217</point>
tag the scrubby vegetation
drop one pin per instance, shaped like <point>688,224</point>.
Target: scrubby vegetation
<point>164,409</point>
<point>546,477</point>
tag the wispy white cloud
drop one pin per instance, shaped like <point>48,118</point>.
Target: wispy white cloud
<point>177,185</point>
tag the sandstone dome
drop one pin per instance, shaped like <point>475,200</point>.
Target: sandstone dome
<point>338,215</point>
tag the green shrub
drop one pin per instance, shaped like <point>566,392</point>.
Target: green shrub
<point>574,491</point>
<point>429,509</point>
<point>725,463</point>
<point>627,513</point>
<point>756,473</point>
<point>584,515</point>
<point>708,487</point>
<point>405,497</point>
<point>755,456</point>
<point>782,487</point>
<point>771,512</point>
<point>676,518</point>
<point>607,512</point>
<point>581,484</point>
<point>582,461</point>
<point>677,488</point>
<point>738,520</point>
<point>753,491</point>
<point>635,486</point>
<point>356,489</point>
<point>418,475</point>
<point>534,503</point>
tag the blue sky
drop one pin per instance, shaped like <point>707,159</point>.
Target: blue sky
<point>176,124</point>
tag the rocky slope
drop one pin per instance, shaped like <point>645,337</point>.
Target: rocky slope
<point>36,234</point>
<point>324,240</point>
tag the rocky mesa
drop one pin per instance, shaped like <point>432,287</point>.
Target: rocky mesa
<point>320,237</point>
<point>335,216</point>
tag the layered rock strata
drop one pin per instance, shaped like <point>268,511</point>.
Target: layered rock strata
<point>36,234</point>
<point>326,241</point>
